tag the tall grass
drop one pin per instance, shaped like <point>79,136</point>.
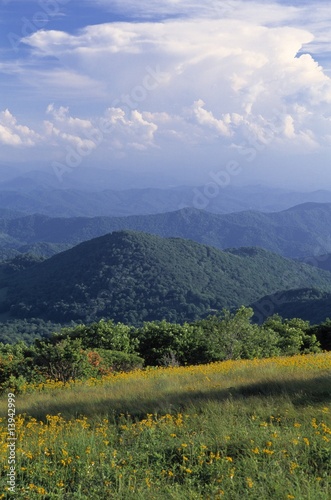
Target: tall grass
<point>239,429</point>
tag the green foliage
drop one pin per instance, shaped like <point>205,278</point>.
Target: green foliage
<point>323,334</point>
<point>105,347</point>
<point>20,263</point>
<point>103,334</point>
<point>233,336</point>
<point>64,361</point>
<point>224,336</point>
<point>106,361</point>
<point>307,303</point>
<point>27,330</point>
<point>162,341</point>
<point>11,360</point>
<point>135,278</point>
<point>293,335</point>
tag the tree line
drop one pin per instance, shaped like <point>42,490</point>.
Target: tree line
<point>106,347</point>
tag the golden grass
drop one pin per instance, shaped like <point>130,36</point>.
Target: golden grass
<point>232,430</point>
<point>151,390</point>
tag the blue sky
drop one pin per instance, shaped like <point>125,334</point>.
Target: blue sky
<point>169,86</point>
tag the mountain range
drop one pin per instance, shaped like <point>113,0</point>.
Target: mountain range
<point>133,277</point>
<point>303,231</point>
<point>86,193</point>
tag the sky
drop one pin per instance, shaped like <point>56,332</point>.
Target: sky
<point>233,91</point>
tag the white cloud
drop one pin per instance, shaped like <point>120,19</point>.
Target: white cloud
<point>62,116</point>
<point>231,75</point>
<point>228,64</point>
<point>66,129</point>
<point>134,132</point>
<point>61,81</point>
<point>206,118</point>
<point>14,134</point>
<point>58,137</point>
<point>218,73</point>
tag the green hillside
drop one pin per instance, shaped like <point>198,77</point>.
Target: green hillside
<point>135,277</point>
<point>305,303</point>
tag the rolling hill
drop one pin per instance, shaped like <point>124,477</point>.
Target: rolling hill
<point>134,277</point>
<point>298,232</point>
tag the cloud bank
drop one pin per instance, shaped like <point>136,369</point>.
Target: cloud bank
<point>181,74</point>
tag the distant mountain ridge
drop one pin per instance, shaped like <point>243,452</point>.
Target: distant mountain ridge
<point>82,199</point>
<point>87,179</point>
<point>134,277</point>
<point>297,232</point>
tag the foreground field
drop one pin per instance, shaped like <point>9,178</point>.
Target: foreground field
<point>237,429</point>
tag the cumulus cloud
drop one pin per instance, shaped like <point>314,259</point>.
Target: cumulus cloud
<point>185,72</point>
<point>223,63</point>
<point>67,129</point>
<point>230,75</point>
<point>113,130</point>
<point>14,134</point>
<point>134,131</point>
<point>206,119</point>
<point>62,116</point>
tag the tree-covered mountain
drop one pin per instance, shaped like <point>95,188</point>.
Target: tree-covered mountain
<point>134,277</point>
<point>297,232</point>
<point>309,304</point>
<point>320,261</point>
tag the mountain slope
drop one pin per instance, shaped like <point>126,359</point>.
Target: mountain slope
<point>320,261</point>
<point>132,277</point>
<point>305,303</point>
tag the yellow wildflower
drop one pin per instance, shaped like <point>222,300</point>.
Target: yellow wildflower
<point>249,482</point>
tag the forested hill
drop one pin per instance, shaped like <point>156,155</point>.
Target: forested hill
<point>306,303</point>
<point>135,277</point>
<point>320,261</point>
<point>301,231</point>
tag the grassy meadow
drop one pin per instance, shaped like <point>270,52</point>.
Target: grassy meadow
<point>258,429</point>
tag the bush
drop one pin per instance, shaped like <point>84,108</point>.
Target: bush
<point>103,335</point>
<point>106,361</point>
<point>63,361</point>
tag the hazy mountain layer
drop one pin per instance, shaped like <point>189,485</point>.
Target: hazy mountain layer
<point>301,231</point>
<point>28,196</point>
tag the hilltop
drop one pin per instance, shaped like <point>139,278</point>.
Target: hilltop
<point>134,277</point>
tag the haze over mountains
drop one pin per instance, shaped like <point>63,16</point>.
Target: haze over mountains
<point>302,231</point>
<point>90,193</point>
<point>259,225</point>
